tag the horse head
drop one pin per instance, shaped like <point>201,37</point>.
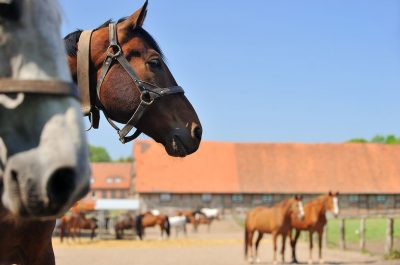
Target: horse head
<point>332,203</point>
<point>44,167</point>
<point>134,85</point>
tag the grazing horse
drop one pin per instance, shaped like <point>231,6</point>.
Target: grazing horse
<point>314,221</point>
<point>125,221</point>
<point>149,220</point>
<point>275,220</point>
<point>121,71</point>
<point>43,152</point>
<point>73,224</point>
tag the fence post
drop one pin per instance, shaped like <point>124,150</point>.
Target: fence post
<point>342,234</point>
<point>389,236</point>
<point>362,234</point>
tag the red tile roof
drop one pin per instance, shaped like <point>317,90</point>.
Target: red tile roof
<point>219,167</point>
<point>111,175</point>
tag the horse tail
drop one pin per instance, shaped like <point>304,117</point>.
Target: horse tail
<point>167,226</point>
<point>139,226</point>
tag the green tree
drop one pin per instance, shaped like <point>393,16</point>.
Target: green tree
<point>357,140</point>
<point>378,139</point>
<point>98,154</point>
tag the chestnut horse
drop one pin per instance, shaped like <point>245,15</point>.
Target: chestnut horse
<point>124,73</point>
<point>149,220</point>
<point>314,221</point>
<point>72,225</point>
<point>125,221</point>
<point>275,220</point>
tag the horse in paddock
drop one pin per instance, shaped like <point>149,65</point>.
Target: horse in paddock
<point>123,222</point>
<point>211,213</point>
<point>149,220</point>
<point>275,220</point>
<point>196,218</point>
<point>314,221</point>
<point>44,167</point>
<point>72,225</point>
<point>120,70</point>
<point>178,223</point>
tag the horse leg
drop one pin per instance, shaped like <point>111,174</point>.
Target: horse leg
<point>283,247</point>
<point>310,261</point>
<point>293,242</point>
<point>321,261</point>
<point>259,237</point>
<point>274,237</point>
<point>250,245</point>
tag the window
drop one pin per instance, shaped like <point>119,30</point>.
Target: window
<point>267,198</point>
<point>104,194</point>
<point>91,180</point>
<point>93,194</point>
<point>237,198</point>
<point>381,198</point>
<point>118,179</point>
<point>165,197</point>
<point>122,194</point>
<point>206,197</point>
<point>353,198</point>
<point>109,180</point>
<point>113,194</point>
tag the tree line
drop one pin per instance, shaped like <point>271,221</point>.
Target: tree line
<point>379,139</point>
<point>100,154</point>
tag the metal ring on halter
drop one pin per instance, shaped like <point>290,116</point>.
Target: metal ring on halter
<point>116,51</point>
<point>148,103</point>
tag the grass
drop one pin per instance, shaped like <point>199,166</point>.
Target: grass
<point>375,229</point>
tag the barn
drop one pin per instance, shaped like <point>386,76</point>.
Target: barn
<point>233,175</point>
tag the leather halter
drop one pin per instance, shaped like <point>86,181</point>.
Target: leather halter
<point>45,87</point>
<point>148,92</point>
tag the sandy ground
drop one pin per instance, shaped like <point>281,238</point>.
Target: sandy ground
<point>222,245</point>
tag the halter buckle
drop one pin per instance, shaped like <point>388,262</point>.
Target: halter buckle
<point>144,101</point>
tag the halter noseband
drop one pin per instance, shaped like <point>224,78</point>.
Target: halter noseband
<point>45,87</point>
<point>148,92</point>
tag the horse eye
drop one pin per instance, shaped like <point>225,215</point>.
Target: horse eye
<point>154,63</point>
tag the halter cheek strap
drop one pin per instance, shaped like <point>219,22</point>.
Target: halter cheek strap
<point>148,92</point>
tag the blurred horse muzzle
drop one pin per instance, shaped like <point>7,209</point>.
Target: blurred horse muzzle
<point>44,182</point>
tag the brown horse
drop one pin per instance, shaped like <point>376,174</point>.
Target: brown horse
<point>123,222</point>
<point>149,220</point>
<point>196,218</point>
<point>314,221</point>
<point>275,220</point>
<point>73,224</point>
<point>127,75</point>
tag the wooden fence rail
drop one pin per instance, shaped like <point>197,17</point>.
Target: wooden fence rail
<point>362,239</point>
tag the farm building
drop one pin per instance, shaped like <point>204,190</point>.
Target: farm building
<point>229,175</point>
<point>110,181</point>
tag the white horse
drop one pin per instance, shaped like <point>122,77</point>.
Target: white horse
<point>178,223</point>
<point>44,165</point>
<point>211,213</point>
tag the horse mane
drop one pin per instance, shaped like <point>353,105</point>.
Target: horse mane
<point>72,38</point>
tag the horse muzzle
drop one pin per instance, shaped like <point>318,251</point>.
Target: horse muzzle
<point>44,182</point>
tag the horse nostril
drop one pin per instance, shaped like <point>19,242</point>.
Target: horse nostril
<point>60,186</point>
<point>197,132</point>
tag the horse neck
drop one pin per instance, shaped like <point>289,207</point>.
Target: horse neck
<point>318,205</point>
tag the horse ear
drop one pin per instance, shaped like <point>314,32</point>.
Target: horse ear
<point>330,193</point>
<point>137,18</point>
<point>337,193</point>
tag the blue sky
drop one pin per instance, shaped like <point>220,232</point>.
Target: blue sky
<point>271,71</point>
